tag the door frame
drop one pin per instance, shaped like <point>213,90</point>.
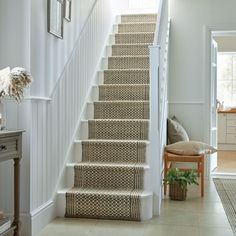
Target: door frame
<point>208,33</point>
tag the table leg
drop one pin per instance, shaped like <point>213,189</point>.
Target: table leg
<point>16,221</point>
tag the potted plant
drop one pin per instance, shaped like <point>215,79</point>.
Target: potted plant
<point>178,181</point>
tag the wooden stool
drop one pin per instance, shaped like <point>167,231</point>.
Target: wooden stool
<point>169,158</point>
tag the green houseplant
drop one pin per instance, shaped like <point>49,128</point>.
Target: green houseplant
<point>178,181</point>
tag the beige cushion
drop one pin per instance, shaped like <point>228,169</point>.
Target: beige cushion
<point>175,131</point>
<point>190,148</point>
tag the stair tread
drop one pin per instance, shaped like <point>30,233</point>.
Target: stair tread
<point>129,56</point>
<point>134,33</point>
<point>102,191</point>
<point>112,165</point>
<point>137,23</point>
<point>108,191</point>
<point>124,70</point>
<point>118,120</point>
<point>130,45</point>
<point>113,141</point>
<point>123,101</point>
<point>123,85</point>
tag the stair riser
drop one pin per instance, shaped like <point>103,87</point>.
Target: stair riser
<point>128,131</point>
<point>125,110</point>
<point>126,50</point>
<point>121,153</point>
<point>125,93</point>
<point>146,205</point>
<point>134,27</point>
<point>112,178</point>
<point>138,18</point>
<point>119,92</point>
<point>126,63</point>
<point>123,77</point>
<point>134,38</point>
<point>118,130</point>
<point>126,28</point>
<point>70,178</point>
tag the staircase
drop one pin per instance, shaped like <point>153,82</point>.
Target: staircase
<point>112,181</point>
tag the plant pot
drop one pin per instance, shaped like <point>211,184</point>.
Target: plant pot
<point>177,192</point>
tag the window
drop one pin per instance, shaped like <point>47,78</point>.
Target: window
<point>226,79</point>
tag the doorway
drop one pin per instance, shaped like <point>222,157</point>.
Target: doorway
<point>223,82</point>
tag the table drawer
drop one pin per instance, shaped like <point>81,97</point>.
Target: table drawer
<point>8,146</point>
<point>231,138</point>
<point>231,122</point>
<point>231,116</point>
<point>231,130</point>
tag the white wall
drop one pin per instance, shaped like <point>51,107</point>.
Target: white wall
<point>25,41</point>
<point>50,125</point>
<point>49,54</point>
<point>187,85</point>
<point>15,29</point>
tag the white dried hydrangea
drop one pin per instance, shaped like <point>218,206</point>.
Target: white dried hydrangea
<point>5,80</point>
<point>12,83</point>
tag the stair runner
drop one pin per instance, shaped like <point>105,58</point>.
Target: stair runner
<point>109,181</point>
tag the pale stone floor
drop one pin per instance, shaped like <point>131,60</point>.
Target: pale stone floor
<point>194,217</point>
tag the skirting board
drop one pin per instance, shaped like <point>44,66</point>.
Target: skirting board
<point>32,224</point>
<point>42,216</point>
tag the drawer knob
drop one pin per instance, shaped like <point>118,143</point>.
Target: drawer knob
<point>3,147</point>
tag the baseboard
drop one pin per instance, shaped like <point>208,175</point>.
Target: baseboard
<point>42,216</point>
<point>156,205</point>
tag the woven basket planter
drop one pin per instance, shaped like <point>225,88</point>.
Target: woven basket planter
<point>177,192</point>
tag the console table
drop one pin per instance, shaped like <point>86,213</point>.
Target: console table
<point>11,149</point>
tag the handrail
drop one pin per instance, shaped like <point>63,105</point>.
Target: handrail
<point>158,98</point>
<point>159,24</point>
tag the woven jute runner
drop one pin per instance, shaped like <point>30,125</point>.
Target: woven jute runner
<point>109,182</point>
<point>226,189</point>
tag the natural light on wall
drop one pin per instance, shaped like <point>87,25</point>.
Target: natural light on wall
<point>142,4</point>
<point>226,79</point>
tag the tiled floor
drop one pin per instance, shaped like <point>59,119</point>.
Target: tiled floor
<point>194,217</point>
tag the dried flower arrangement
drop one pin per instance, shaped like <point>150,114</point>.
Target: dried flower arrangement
<point>13,82</point>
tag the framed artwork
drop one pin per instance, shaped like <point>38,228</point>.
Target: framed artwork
<point>55,17</point>
<point>67,10</point>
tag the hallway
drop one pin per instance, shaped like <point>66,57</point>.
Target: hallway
<point>196,217</point>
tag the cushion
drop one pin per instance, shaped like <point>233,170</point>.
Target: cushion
<point>176,131</point>
<point>190,148</point>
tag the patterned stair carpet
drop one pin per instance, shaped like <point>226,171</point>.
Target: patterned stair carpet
<point>109,182</point>
<point>226,189</point>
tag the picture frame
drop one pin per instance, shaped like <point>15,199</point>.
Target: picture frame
<point>55,17</point>
<point>67,10</point>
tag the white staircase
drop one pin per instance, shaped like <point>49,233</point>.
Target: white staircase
<point>110,175</point>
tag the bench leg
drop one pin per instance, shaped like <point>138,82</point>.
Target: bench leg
<point>202,177</point>
<point>165,172</point>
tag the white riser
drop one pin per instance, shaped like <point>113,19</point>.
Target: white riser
<point>108,51</point>
<point>115,29</point>
<point>100,77</point>
<point>78,152</point>
<point>112,39</point>
<point>105,63</point>
<point>146,204</point>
